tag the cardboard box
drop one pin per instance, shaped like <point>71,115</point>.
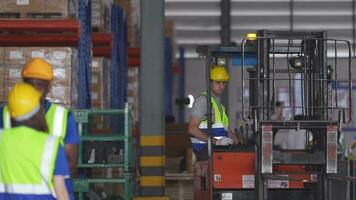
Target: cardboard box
<point>15,56</point>
<point>97,83</point>
<point>129,9</point>
<point>101,16</point>
<point>132,39</point>
<point>97,89</point>
<point>64,85</point>
<point>2,55</point>
<point>26,8</point>
<point>133,92</point>
<point>169,29</point>
<point>3,92</point>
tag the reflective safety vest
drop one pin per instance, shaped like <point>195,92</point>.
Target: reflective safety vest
<point>219,127</point>
<point>56,118</point>
<point>27,161</point>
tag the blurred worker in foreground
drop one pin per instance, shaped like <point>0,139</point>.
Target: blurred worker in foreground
<point>32,162</point>
<point>60,121</point>
<point>198,126</point>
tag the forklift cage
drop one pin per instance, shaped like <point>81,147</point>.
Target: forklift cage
<point>320,106</point>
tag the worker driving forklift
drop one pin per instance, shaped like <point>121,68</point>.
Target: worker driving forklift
<point>306,164</point>
<point>198,126</point>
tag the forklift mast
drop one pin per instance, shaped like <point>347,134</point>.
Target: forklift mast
<point>312,91</point>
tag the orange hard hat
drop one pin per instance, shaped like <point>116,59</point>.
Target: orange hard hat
<point>38,68</point>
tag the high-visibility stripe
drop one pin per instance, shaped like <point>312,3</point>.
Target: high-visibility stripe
<point>197,141</point>
<point>152,161</point>
<point>151,198</point>
<point>157,140</point>
<point>36,189</point>
<point>41,189</point>
<point>47,158</point>
<point>7,123</point>
<point>58,121</point>
<point>147,181</point>
<point>216,125</point>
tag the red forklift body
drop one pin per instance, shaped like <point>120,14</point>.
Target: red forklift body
<point>235,170</point>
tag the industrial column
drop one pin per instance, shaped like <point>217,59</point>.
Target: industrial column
<point>225,37</point>
<point>152,160</point>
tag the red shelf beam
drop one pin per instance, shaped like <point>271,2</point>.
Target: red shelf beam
<point>33,40</point>
<point>102,52</point>
<point>133,62</point>
<point>56,33</point>
<point>102,39</point>
<point>134,59</point>
<point>133,55</point>
<point>133,52</point>
<point>50,25</point>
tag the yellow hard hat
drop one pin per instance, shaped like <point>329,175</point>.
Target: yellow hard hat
<point>38,68</point>
<point>23,101</point>
<point>219,73</point>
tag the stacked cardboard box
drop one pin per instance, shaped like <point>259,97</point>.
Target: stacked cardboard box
<point>129,9</point>
<point>132,92</point>
<point>169,32</point>
<point>3,91</point>
<point>35,8</point>
<point>100,82</point>
<point>180,189</point>
<point>101,15</point>
<point>63,90</point>
<point>97,83</point>
<point>169,28</point>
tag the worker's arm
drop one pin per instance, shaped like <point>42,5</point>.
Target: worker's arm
<point>60,171</point>
<point>60,188</point>
<point>193,129</point>
<point>71,142</point>
<point>72,156</point>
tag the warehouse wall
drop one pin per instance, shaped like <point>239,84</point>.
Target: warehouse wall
<point>198,22</point>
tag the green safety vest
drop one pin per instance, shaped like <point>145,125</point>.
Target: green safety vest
<point>219,126</point>
<point>56,118</point>
<point>27,161</point>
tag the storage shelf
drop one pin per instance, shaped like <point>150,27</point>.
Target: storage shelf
<point>102,180</point>
<point>103,138</point>
<point>94,165</point>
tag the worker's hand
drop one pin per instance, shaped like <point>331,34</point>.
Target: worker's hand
<point>224,141</point>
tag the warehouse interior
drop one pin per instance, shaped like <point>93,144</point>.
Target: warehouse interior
<point>130,72</point>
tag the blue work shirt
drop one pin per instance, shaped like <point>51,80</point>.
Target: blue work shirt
<point>60,168</point>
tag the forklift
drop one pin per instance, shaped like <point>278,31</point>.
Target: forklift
<point>258,169</point>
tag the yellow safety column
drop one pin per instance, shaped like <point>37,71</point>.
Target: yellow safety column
<point>152,160</point>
